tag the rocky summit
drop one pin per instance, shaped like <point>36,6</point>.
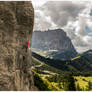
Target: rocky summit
<point>56,42</point>
<point>16,25</point>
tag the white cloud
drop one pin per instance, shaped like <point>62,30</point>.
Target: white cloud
<point>88,39</point>
<point>71,16</point>
<point>89,22</point>
<point>80,38</point>
<point>80,28</point>
<point>62,11</point>
<point>37,3</point>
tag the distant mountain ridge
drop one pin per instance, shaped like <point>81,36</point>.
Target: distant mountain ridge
<point>54,41</point>
<point>88,54</point>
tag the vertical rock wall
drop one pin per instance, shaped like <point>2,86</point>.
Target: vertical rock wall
<point>16,25</point>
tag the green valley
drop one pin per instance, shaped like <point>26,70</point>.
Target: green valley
<point>61,79</point>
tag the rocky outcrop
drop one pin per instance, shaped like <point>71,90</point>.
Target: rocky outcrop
<point>55,41</point>
<point>16,25</point>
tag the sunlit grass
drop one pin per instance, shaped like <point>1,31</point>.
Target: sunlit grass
<point>52,85</point>
<point>82,81</point>
<point>75,58</point>
<point>42,53</point>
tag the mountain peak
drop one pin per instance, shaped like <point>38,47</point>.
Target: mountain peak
<point>53,40</point>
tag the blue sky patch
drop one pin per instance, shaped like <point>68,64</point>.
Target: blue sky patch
<point>91,12</point>
<point>88,30</point>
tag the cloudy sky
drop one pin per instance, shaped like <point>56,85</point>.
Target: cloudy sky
<point>74,17</point>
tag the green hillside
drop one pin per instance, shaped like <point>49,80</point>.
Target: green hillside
<point>78,65</point>
<point>83,82</point>
<point>52,79</point>
<point>49,78</point>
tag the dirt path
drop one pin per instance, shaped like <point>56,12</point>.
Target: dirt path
<point>41,64</point>
<point>37,66</point>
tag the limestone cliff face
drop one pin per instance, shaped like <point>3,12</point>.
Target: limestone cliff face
<point>55,42</point>
<point>16,25</point>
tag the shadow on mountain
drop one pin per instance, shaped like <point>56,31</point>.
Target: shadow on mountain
<point>76,65</point>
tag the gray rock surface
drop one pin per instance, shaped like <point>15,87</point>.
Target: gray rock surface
<point>16,25</point>
<point>54,40</point>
